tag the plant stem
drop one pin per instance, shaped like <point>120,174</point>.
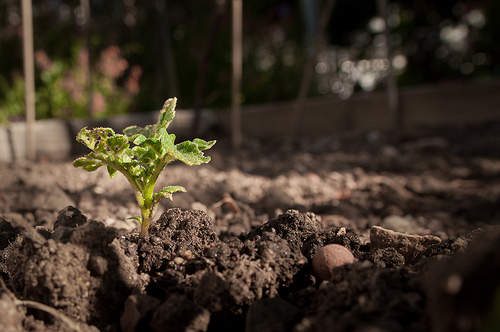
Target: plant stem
<point>148,208</point>
<point>146,221</point>
<point>143,195</point>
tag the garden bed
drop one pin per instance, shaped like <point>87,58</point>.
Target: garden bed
<point>420,215</point>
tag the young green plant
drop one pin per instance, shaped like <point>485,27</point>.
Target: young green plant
<point>141,162</point>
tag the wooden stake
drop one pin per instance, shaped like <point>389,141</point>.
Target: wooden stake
<point>29,79</point>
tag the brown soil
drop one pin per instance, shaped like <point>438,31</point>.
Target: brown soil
<point>420,214</point>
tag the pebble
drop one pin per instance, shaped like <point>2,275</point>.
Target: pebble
<point>329,257</point>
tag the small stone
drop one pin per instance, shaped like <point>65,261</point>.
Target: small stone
<point>178,260</point>
<point>410,246</point>
<point>187,254</point>
<point>329,257</point>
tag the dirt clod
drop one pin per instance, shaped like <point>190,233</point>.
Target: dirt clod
<point>409,246</point>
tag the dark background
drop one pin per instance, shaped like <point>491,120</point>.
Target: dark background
<point>142,52</point>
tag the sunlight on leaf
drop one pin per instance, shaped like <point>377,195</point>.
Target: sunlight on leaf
<point>140,154</point>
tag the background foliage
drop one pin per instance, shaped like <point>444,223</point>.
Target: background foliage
<point>137,53</point>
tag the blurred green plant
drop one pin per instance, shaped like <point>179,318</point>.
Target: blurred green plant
<point>13,100</point>
<point>63,91</point>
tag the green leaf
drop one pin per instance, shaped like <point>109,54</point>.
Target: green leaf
<point>102,147</point>
<point>168,191</point>
<point>88,164</point>
<point>133,131</point>
<point>117,143</point>
<point>80,162</point>
<point>139,139</point>
<point>202,144</point>
<point>138,151</point>
<point>87,138</point>
<point>167,113</point>
<point>91,168</point>
<point>104,132</point>
<point>189,153</point>
<point>112,171</point>
<point>137,170</point>
<point>167,142</point>
<point>125,159</point>
<point>139,219</point>
<point>148,157</point>
<point>154,145</point>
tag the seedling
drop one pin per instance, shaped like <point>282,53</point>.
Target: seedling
<point>142,162</point>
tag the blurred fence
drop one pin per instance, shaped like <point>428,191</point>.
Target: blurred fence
<point>452,103</point>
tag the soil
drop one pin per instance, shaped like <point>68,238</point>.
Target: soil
<point>420,213</point>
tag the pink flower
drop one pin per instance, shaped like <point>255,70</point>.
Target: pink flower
<point>132,83</point>
<point>42,60</point>
<point>98,103</point>
<point>111,63</point>
<point>83,57</point>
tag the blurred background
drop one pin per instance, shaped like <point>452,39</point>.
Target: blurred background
<point>96,58</point>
